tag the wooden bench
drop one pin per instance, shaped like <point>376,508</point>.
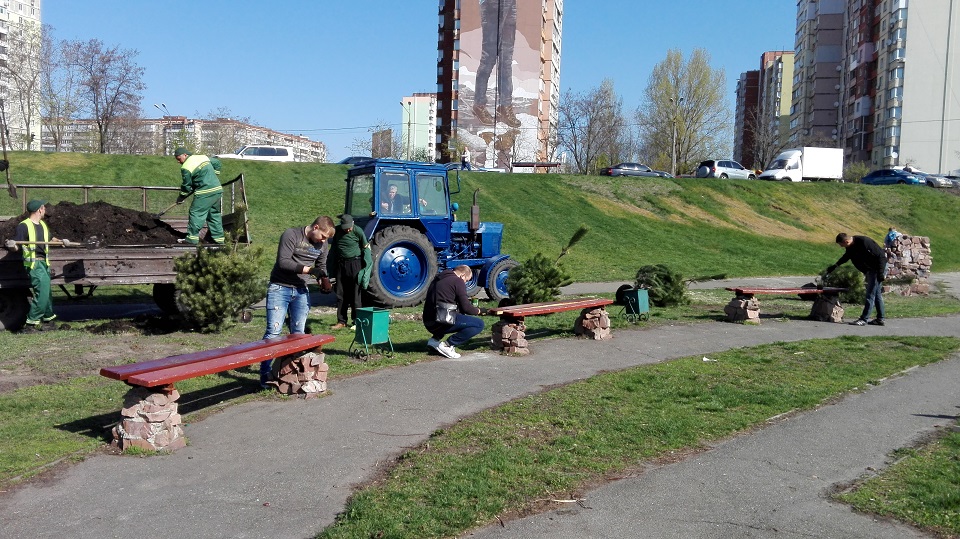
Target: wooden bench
<point>745,307</point>
<point>150,418</point>
<point>169,370</point>
<point>509,334</point>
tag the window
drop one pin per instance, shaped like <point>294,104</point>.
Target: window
<point>395,197</point>
<point>431,195</point>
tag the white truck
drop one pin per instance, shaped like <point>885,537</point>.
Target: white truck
<point>805,164</point>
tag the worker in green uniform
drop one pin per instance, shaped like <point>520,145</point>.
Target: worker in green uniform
<point>201,179</point>
<point>31,239</point>
<point>351,252</point>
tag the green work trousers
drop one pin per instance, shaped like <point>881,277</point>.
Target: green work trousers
<point>41,304</point>
<point>205,209</point>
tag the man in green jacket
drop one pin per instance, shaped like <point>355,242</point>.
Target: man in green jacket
<point>350,250</point>
<point>201,179</point>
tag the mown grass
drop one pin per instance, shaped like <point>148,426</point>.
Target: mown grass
<point>516,457</point>
<point>921,488</point>
<point>742,228</point>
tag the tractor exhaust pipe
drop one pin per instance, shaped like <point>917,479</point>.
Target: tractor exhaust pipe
<point>475,213</point>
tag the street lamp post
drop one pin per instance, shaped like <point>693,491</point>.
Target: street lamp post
<point>673,149</point>
<point>409,118</point>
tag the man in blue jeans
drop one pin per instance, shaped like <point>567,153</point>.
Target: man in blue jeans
<point>301,255</point>
<point>449,292</point>
<point>871,260</point>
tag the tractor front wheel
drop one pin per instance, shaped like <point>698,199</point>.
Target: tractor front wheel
<point>404,261</point>
<point>497,279</point>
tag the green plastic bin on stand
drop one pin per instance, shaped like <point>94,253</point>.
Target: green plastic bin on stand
<point>373,328</point>
<point>636,305</point>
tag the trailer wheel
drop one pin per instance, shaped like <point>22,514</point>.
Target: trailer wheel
<point>404,262</point>
<point>14,306</point>
<point>165,296</point>
<point>497,279</point>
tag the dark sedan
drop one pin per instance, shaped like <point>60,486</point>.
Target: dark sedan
<point>629,169</point>
<point>890,176</point>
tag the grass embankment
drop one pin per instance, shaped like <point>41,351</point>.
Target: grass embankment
<point>741,228</point>
<point>517,457</point>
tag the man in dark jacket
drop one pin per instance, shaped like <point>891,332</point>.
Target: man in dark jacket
<point>871,260</point>
<point>449,292</point>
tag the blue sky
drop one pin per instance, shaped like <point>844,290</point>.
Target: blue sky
<point>329,70</point>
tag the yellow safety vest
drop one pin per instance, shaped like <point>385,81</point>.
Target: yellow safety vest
<point>30,249</point>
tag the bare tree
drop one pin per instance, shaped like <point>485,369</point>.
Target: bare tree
<point>391,147</point>
<point>690,94</point>
<point>110,84</point>
<point>59,89</point>
<point>769,137</point>
<point>222,131</point>
<point>23,69</point>
<point>591,125</point>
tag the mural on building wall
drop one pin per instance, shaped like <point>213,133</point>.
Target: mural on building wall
<point>499,81</point>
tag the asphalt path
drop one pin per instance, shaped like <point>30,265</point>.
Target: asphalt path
<point>286,468</point>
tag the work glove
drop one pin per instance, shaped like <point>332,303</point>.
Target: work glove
<point>830,269</point>
<point>325,285</point>
<point>317,272</point>
<point>483,311</point>
<point>181,198</point>
<point>67,243</point>
<point>10,244</point>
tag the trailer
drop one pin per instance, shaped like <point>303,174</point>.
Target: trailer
<point>92,266</point>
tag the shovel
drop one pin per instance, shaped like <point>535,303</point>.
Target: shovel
<point>165,210</point>
<point>89,244</point>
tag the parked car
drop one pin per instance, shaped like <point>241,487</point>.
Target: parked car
<point>955,180</point>
<point>261,152</point>
<point>890,176</point>
<point>724,168</point>
<point>663,174</point>
<point>629,169</point>
<point>353,160</point>
<point>935,180</point>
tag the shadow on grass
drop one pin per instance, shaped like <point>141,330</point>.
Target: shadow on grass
<point>98,426</point>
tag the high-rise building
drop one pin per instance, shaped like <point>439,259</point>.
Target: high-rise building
<point>418,127</point>
<point>748,103</point>
<point>20,26</point>
<point>498,80</point>
<point>818,52</point>
<point>776,94</point>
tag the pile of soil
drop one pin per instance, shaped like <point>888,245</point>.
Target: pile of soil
<point>141,324</point>
<point>111,225</point>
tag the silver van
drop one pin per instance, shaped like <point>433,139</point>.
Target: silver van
<point>262,152</point>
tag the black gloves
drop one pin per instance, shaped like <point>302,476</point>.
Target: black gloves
<point>317,272</point>
<point>831,268</point>
<point>325,285</point>
<point>181,198</point>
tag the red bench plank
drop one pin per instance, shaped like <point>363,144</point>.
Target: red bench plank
<point>549,307</point>
<point>787,291</point>
<point>213,365</point>
<point>123,372</point>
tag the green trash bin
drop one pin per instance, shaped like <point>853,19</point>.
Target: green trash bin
<point>636,305</point>
<point>373,328</point>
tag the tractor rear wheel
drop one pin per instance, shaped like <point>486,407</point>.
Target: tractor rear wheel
<point>496,287</point>
<point>404,262</point>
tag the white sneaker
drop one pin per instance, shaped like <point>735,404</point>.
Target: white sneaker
<point>447,350</point>
<point>433,343</point>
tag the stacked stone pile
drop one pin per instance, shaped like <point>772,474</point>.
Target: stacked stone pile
<point>743,309</point>
<point>593,323</point>
<point>150,421</point>
<point>304,375</point>
<point>509,338</point>
<point>909,258</point>
<point>827,309</point>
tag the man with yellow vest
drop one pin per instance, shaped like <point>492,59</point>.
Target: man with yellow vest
<point>32,238</point>
<point>201,179</point>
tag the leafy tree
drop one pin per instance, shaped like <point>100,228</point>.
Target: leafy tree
<point>854,171</point>
<point>216,285</point>
<point>592,125</point>
<point>692,94</point>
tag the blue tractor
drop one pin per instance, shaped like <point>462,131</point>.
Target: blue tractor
<point>405,210</point>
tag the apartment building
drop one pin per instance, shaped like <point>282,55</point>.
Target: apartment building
<point>818,53</point>
<point>498,95</point>
<point>418,127</point>
<point>747,107</point>
<point>20,25</point>
<point>159,136</point>
<point>762,125</point>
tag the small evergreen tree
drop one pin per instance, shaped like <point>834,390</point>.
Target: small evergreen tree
<point>665,286</point>
<point>216,285</point>
<point>848,277</point>
<point>539,279</point>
